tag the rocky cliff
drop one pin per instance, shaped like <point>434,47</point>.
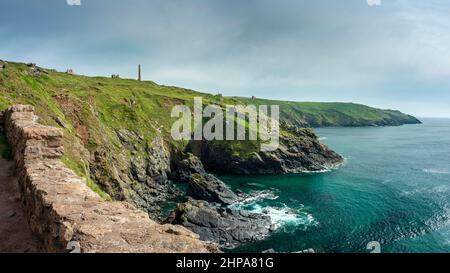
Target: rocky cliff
<point>117,137</point>
<point>62,211</point>
<point>299,151</point>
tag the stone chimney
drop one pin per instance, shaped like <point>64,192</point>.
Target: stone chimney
<point>139,73</point>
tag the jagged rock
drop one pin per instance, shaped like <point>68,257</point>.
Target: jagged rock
<point>62,209</point>
<point>61,122</point>
<point>159,161</point>
<point>127,138</point>
<point>298,152</point>
<point>201,185</point>
<point>227,227</point>
<point>207,187</point>
<point>185,166</point>
<point>148,177</point>
<point>34,70</point>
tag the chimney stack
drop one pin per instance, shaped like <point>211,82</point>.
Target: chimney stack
<point>139,73</point>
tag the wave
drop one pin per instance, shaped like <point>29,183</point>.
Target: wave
<point>285,216</point>
<point>323,138</point>
<point>328,169</point>
<point>436,171</point>
<point>254,197</point>
<point>439,189</point>
<point>280,215</point>
<point>387,181</point>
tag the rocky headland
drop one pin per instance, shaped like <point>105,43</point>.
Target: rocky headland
<point>117,141</point>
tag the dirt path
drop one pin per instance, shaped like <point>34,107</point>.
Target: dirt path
<point>15,234</point>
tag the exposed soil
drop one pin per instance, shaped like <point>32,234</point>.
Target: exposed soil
<point>15,234</point>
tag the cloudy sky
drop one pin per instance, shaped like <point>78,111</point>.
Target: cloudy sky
<point>396,55</point>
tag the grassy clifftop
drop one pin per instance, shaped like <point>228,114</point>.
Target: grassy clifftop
<point>325,114</point>
<point>110,121</point>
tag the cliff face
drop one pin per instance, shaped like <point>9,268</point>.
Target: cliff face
<point>299,151</point>
<point>62,211</point>
<point>117,136</point>
<point>117,133</point>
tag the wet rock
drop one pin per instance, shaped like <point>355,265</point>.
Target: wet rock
<point>201,185</point>
<point>229,229</point>
<point>207,187</point>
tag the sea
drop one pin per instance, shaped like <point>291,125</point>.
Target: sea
<point>393,191</point>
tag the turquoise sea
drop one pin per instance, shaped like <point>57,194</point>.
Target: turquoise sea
<point>394,188</point>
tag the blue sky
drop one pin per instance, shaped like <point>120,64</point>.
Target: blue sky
<point>396,55</point>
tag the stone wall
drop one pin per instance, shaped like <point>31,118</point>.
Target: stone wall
<point>62,209</point>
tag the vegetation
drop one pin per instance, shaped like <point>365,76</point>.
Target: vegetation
<point>320,114</point>
<point>92,109</point>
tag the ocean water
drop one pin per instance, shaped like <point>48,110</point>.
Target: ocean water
<point>394,188</point>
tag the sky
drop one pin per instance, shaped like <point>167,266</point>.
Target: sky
<point>391,54</point>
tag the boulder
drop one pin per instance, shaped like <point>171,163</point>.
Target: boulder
<point>225,226</point>
<point>184,166</point>
<point>208,188</point>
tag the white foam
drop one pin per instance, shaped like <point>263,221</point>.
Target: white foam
<point>436,171</point>
<point>285,216</point>
<point>387,181</point>
<point>263,195</point>
<point>329,169</point>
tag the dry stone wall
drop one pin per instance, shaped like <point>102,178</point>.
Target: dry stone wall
<point>62,210</point>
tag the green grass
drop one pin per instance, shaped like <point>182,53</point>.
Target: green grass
<point>95,107</point>
<point>319,114</point>
<point>80,169</point>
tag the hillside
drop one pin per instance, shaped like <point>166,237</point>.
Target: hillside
<point>117,132</point>
<point>326,114</point>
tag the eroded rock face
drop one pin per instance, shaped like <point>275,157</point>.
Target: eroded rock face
<point>185,166</point>
<point>207,187</point>
<point>140,178</point>
<point>61,208</point>
<point>299,151</point>
<point>227,227</point>
<point>201,185</point>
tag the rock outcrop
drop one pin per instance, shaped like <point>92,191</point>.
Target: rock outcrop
<point>201,185</point>
<point>299,151</point>
<point>225,226</point>
<point>208,212</point>
<point>140,178</point>
<point>207,187</point>
<point>62,209</point>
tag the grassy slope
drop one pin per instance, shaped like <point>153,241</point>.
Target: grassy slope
<point>94,107</point>
<point>319,114</point>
